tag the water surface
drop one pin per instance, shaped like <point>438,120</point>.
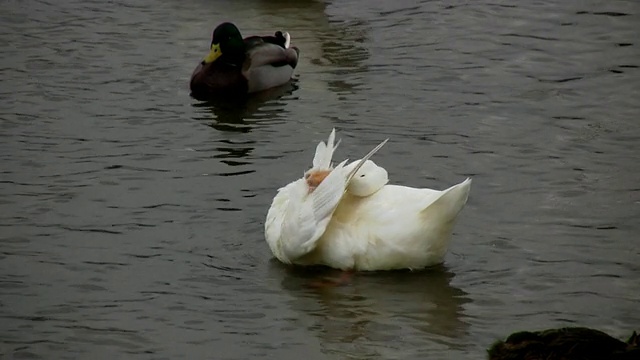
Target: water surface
<point>132,215</point>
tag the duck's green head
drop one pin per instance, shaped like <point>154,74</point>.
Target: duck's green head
<point>226,39</point>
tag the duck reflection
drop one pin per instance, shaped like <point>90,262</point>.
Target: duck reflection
<point>375,308</point>
<point>243,114</point>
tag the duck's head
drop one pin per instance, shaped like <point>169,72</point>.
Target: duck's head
<point>226,39</point>
<point>368,179</point>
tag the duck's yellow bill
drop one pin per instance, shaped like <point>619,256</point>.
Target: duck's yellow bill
<point>213,54</point>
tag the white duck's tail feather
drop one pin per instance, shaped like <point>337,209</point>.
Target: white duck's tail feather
<point>324,152</point>
<point>450,203</point>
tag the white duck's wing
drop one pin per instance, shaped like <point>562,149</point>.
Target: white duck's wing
<point>305,216</point>
<point>308,214</point>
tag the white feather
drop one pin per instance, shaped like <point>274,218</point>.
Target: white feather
<point>324,152</point>
<point>287,41</point>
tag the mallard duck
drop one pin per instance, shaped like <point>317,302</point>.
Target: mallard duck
<point>237,66</point>
<point>568,343</point>
<point>347,217</point>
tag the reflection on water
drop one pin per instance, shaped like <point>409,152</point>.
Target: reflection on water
<point>375,310</point>
<point>243,113</point>
<point>342,55</point>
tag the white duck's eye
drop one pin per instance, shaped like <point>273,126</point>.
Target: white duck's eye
<point>362,175</point>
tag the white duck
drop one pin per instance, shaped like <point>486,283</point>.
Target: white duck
<point>348,218</point>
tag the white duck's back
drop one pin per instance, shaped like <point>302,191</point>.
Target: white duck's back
<point>395,228</point>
